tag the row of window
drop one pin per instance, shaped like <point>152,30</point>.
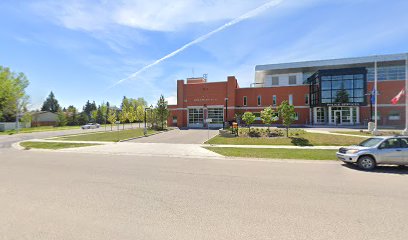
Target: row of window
<point>275,115</point>
<point>276,80</point>
<point>274,100</point>
<point>387,73</point>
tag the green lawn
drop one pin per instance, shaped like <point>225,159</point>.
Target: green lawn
<point>308,154</point>
<point>305,139</point>
<point>368,134</point>
<point>114,136</point>
<point>54,145</point>
<point>39,129</point>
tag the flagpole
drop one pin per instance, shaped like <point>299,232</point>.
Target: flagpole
<point>375,130</point>
<point>405,132</point>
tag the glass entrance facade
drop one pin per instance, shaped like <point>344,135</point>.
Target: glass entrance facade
<point>343,115</point>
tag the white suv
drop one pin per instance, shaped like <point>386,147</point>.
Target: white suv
<point>376,150</point>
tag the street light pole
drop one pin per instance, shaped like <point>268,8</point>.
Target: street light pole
<point>226,111</point>
<point>145,128</point>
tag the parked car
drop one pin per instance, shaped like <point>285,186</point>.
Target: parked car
<point>90,126</point>
<point>376,151</point>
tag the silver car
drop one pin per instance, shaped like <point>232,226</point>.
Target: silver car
<point>90,126</point>
<point>375,151</point>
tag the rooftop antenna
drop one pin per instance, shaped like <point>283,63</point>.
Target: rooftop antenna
<point>192,70</point>
<point>205,76</point>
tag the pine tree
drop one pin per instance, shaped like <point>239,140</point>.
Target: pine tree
<point>51,104</point>
<point>162,111</point>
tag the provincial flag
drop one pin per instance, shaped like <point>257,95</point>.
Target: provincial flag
<point>397,98</point>
<point>372,99</point>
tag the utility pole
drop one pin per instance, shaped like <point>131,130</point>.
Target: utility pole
<point>17,112</point>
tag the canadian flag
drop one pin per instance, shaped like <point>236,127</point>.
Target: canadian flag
<point>397,98</point>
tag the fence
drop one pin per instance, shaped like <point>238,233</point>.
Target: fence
<point>5,126</point>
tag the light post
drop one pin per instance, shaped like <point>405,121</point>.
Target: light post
<point>145,128</point>
<point>226,111</point>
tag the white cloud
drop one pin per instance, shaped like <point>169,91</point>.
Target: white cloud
<point>171,100</point>
<point>158,15</point>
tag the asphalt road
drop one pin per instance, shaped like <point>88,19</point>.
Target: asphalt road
<point>50,195</point>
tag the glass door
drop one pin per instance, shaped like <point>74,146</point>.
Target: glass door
<point>337,117</point>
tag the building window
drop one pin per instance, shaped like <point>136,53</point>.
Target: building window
<point>257,116</point>
<point>296,116</point>
<point>292,80</point>
<point>394,115</point>
<point>174,119</point>
<point>275,81</point>
<point>275,116</point>
<point>245,101</point>
<point>290,99</point>
<point>216,114</point>
<point>320,115</point>
<point>259,101</point>
<point>195,116</point>
<point>274,100</point>
<point>306,99</point>
<point>343,87</point>
<point>387,73</point>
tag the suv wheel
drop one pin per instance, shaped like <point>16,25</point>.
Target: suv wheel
<point>366,163</point>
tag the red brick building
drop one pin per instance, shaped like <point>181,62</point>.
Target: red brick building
<point>325,92</point>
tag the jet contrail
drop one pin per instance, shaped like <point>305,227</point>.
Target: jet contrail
<point>247,15</point>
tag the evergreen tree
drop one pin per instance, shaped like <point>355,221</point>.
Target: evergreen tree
<point>342,96</point>
<point>51,104</point>
<point>162,111</point>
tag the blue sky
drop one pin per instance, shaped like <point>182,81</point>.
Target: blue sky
<point>78,49</point>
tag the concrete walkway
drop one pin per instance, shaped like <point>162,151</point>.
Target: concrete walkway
<point>180,136</point>
<point>333,133</point>
<point>148,149</point>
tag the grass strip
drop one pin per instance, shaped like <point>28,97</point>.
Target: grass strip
<point>113,136</point>
<point>54,145</point>
<point>306,154</point>
<point>306,139</point>
<point>369,134</point>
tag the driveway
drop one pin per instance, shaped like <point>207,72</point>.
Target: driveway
<point>178,136</point>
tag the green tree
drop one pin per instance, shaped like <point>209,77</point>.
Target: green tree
<point>89,107</point>
<point>83,118</point>
<point>104,112</point>
<point>132,114</point>
<point>342,96</point>
<point>140,114</point>
<point>267,116</point>
<point>51,104</point>
<point>248,118</point>
<point>162,111</point>
<point>72,116</point>
<point>123,115</point>
<point>287,114</point>
<point>94,114</point>
<point>12,93</point>
<point>62,118</point>
<point>112,117</point>
<point>26,118</point>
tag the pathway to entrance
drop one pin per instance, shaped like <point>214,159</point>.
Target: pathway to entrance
<point>178,136</point>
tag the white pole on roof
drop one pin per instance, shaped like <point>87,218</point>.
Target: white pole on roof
<point>375,131</point>
<point>405,132</point>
